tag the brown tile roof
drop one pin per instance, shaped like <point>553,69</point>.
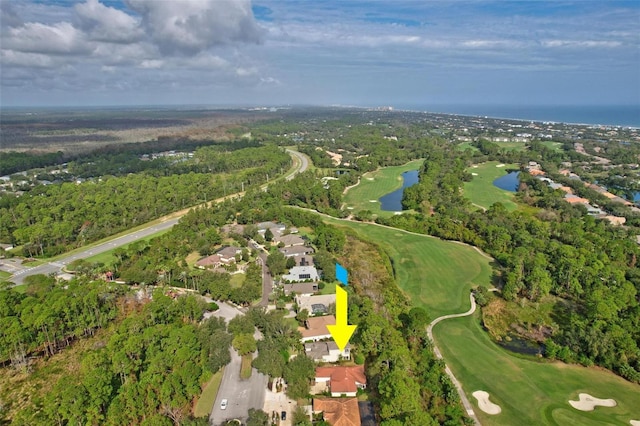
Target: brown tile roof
<point>338,412</point>
<point>343,379</point>
<point>214,259</point>
<point>317,326</point>
<point>576,200</point>
<point>536,172</point>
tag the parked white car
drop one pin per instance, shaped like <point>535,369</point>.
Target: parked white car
<point>223,404</point>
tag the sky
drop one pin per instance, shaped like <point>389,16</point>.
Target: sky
<point>313,52</point>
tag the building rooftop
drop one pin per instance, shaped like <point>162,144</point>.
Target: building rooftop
<point>338,411</point>
<point>317,326</point>
<point>343,379</point>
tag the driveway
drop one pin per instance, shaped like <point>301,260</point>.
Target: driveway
<point>240,394</point>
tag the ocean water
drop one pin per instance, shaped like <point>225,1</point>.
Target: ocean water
<point>612,115</point>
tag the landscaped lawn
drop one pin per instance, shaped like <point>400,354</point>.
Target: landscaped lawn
<point>433,273</point>
<point>208,398</point>
<point>553,145</point>
<point>236,280</point>
<point>482,192</point>
<point>530,392</point>
<point>374,185</point>
<point>245,367</point>
<point>437,275</point>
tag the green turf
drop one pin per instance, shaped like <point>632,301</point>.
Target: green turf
<point>374,185</point>
<point>329,288</point>
<point>482,192</point>
<point>437,275</point>
<point>553,145</point>
<point>237,280</point>
<point>207,399</point>
<point>4,275</point>
<point>447,270</point>
<point>467,145</point>
<point>530,392</point>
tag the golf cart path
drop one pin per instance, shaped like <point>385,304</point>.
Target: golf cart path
<point>463,398</point>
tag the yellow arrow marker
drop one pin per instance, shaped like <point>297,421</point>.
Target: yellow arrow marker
<point>341,332</point>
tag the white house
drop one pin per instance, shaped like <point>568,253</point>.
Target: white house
<point>301,273</point>
<point>326,351</point>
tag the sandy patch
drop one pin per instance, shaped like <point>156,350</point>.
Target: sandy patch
<point>336,158</point>
<point>634,422</point>
<point>499,165</point>
<point>474,174</point>
<point>484,404</point>
<point>350,208</point>
<point>475,166</point>
<point>369,178</point>
<point>587,402</point>
<point>373,201</point>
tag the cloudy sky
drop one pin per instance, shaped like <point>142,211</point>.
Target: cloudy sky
<point>243,52</point>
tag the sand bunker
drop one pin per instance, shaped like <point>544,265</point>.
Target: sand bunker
<point>373,201</point>
<point>587,402</point>
<point>370,178</point>
<point>484,403</point>
<point>474,174</point>
<point>500,165</point>
<point>634,422</point>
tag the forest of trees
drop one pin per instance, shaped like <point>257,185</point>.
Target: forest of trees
<point>55,218</point>
<point>151,365</point>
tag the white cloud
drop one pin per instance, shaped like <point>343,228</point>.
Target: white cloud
<point>190,26</point>
<point>104,23</point>
<point>60,38</point>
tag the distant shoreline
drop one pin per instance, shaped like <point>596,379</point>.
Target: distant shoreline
<point>579,115</point>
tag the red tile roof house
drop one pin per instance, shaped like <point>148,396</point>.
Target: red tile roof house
<point>342,380</point>
<point>338,412</point>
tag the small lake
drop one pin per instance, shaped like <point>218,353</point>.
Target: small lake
<point>508,182</point>
<point>392,202</point>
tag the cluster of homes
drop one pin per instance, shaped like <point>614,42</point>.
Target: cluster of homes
<point>534,169</point>
<point>341,382</point>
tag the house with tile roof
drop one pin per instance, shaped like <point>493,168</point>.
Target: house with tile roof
<point>342,380</point>
<point>315,328</point>
<point>338,412</point>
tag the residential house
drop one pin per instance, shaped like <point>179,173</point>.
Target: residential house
<point>338,412</point>
<point>298,250</point>
<point>574,199</point>
<point>304,289</point>
<point>301,273</point>
<point>289,240</point>
<point>212,261</point>
<point>228,254</point>
<point>342,380</point>
<point>615,220</point>
<point>315,328</point>
<point>326,351</point>
<point>316,305</point>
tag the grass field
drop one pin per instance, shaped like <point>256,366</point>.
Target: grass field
<point>481,190</point>
<point>509,146</point>
<point>237,280</point>
<point>437,275</point>
<point>374,185</point>
<point>245,367</point>
<point>553,145</point>
<point>530,392</point>
<point>4,275</point>
<point>208,398</point>
<point>447,270</point>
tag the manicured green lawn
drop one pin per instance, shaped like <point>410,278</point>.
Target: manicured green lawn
<point>329,288</point>
<point>237,280</point>
<point>4,275</point>
<point>530,392</point>
<point>433,273</point>
<point>374,185</point>
<point>208,398</point>
<point>437,275</point>
<point>481,190</point>
<point>553,145</point>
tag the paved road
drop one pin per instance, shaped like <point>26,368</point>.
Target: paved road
<point>463,397</point>
<point>241,394</point>
<point>267,279</point>
<point>54,267</point>
<point>301,163</point>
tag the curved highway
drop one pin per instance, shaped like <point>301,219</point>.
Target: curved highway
<point>300,164</point>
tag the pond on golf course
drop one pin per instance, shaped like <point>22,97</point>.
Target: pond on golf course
<point>392,202</point>
<point>508,182</point>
